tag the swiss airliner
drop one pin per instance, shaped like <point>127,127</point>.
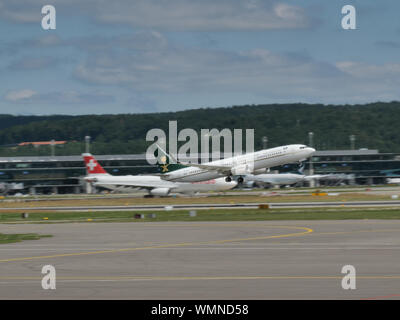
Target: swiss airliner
<point>153,184</point>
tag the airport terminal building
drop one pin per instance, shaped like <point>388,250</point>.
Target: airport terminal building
<point>63,174</point>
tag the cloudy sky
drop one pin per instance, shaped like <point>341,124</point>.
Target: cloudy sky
<point>166,55</point>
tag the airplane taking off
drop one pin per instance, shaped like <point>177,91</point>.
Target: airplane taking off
<point>251,163</point>
<point>153,184</point>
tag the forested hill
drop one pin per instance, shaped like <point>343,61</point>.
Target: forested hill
<point>376,126</point>
<point>7,121</point>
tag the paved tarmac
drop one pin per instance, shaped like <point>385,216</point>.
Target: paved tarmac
<point>204,260</point>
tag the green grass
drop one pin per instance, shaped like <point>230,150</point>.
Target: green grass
<point>212,198</point>
<point>10,238</point>
<point>208,215</point>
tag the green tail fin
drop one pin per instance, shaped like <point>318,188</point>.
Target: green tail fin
<point>165,163</point>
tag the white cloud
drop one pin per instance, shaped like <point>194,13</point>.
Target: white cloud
<point>183,71</point>
<point>180,70</point>
<point>364,70</point>
<point>206,14</point>
<point>147,65</point>
<point>33,63</point>
<point>67,97</point>
<point>18,95</point>
<point>172,14</point>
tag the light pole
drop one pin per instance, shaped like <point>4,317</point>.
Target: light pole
<point>352,141</point>
<point>52,143</point>
<point>265,142</point>
<point>311,169</point>
<point>89,187</point>
<point>87,144</point>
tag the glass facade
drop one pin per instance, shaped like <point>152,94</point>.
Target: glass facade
<point>61,175</point>
<point>64,174</point>
<point>366,167</point>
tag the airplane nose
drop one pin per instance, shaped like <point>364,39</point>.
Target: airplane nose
<point>312,150</point>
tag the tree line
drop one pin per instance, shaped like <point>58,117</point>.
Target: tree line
<point>374,125</point>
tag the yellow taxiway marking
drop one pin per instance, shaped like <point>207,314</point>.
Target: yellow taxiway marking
<point>307,230</point>
<point>356,231</point>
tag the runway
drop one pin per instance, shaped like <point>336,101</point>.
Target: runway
<point>204,260</point>
<point>317,204</point>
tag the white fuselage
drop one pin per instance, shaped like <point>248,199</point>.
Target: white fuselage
<point>129,183</point>
<point>244,164</point>
<point>284,178</point>
<point>277,178</point>
<point>393,180</point>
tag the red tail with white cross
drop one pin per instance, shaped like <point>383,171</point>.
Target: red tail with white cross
<point>92,166</point>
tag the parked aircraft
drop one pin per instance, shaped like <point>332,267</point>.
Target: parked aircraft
<point>281,179</point>
<point>153,184</point>
<point>10,188</point>
<point>393,180</point>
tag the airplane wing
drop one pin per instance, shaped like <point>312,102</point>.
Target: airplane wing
<point>317,176</point>
<point>222,169</point>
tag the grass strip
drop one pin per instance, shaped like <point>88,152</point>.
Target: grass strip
<point>10,238</point>
<point>207,215</point>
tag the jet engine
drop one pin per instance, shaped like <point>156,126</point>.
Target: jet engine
<point>162,192</point>
<point>241,170</point>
